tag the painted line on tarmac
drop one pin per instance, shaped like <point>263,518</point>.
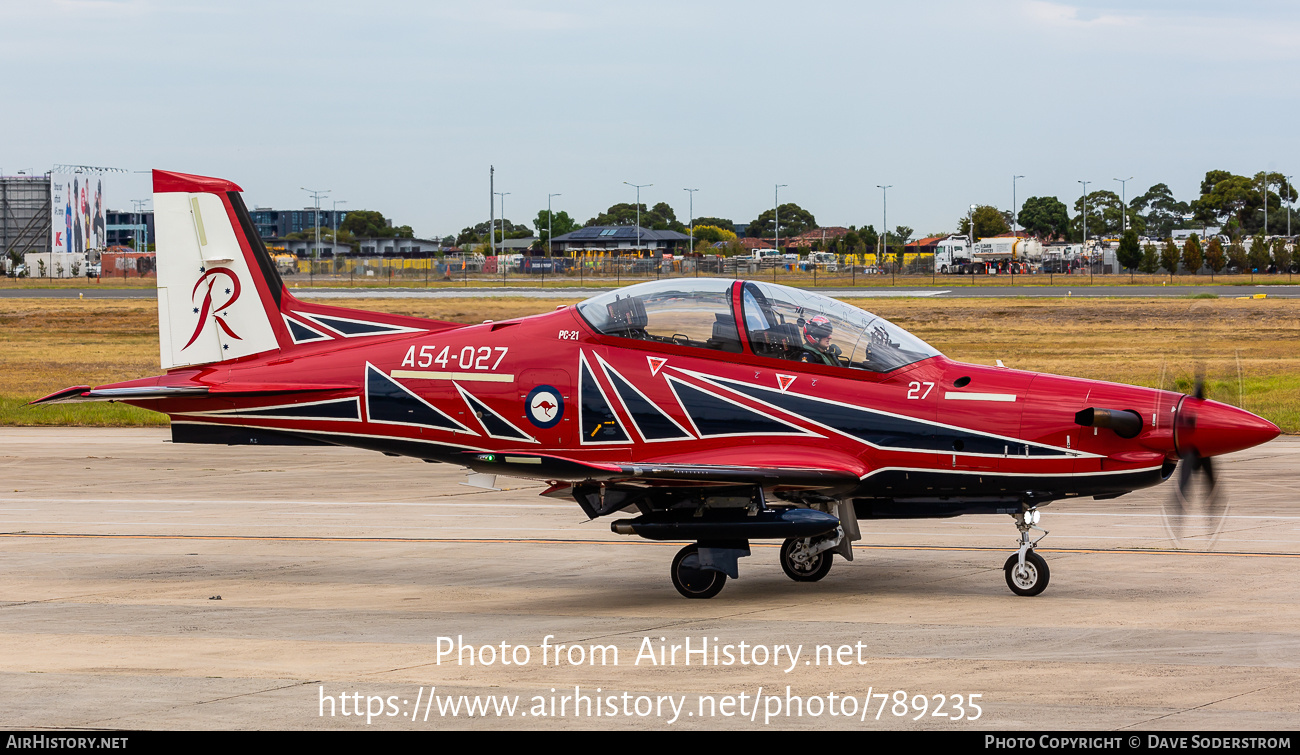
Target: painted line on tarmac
<point>565,541</point>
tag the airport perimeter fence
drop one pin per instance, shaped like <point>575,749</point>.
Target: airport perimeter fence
<point>592,270</point>
<point>613,271</point>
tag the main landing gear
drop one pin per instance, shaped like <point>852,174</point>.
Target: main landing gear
<point>691,579</point>
<point>1027,572</point>
<point>806,561</point>
<point>701,570</point>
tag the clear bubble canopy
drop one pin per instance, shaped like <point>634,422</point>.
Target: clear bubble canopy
<point>779,321</point>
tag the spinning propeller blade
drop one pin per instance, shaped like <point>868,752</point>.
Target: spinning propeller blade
<point>1194,500</point>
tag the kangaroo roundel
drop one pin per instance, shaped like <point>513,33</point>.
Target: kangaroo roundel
<point>545,406</point>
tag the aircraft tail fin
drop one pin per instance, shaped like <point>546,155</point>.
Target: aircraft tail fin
<point>220,295</point>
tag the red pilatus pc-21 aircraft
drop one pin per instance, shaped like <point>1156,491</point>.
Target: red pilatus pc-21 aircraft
<point>715,411</point>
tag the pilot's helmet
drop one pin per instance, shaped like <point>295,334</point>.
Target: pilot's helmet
<point>816,329</point>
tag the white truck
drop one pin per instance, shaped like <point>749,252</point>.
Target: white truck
<point>952,255</point>
<point>991,255</point>
<point>828,261</point>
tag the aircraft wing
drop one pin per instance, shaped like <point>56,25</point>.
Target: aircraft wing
<point>779,470</point>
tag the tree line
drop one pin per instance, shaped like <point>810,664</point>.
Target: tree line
<point>1233,202</point>
<point>1257,254</point>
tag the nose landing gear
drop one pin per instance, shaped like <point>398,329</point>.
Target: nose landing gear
<point>1027,572</point>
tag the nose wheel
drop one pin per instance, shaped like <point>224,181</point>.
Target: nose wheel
<point>1027,572</point>
<point>1027,579</point>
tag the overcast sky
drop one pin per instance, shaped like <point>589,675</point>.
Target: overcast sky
<point>401,107</point>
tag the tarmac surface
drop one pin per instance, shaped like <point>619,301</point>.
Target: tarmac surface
<point>157,586</point>
<point>567,292</point>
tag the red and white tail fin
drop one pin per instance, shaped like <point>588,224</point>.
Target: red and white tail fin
<point>219,293</point>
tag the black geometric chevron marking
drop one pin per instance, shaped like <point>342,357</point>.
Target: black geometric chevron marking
<point>343,408</point>
<point>355,327</point>
<point>495,425</point>
<point>649,419</point>
<point>886,430</point>
<point>303,334</point>
<point>390,402</point>
<point>597,420</point>
<point>714,416</point>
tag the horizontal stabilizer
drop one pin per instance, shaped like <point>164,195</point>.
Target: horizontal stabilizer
<point>82,393</point>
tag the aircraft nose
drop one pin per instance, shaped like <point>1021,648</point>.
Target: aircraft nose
<point>1209,428</point>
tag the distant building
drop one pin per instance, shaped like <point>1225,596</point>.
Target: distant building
<point>806,239</point>
<point>25,214</point>
<point>123,227</point>
<point>274,224</point>
<point>750,243</point>
<point>377,247</point>
<point>928,245</point>
<point>506,246</point>
<point>622,239</point>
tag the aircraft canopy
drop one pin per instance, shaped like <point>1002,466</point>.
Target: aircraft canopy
<point>779,321</point>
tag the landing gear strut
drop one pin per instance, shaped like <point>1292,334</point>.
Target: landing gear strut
<point>1027,572</point>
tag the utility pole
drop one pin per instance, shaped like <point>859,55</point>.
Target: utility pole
<point>334,213</point>
<point>1085,221</point>
<point>1015,209</point>
<point>884,221</point>
<point>1266,204</point>
<point>1123,202</point>
<point>548,222</point>
<point>776,219</point>
<point>315,255</point>
<point>1288,208</point>
<point>503,195</point>
<point>691,215</point>
<point>492,210</point>
<point>141,229</point>
<point>638,188</point>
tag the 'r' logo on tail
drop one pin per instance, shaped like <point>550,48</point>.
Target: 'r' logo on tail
<point>207,308</point>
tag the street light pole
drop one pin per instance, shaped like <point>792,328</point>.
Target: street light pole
<point>1085,221</point>
<point>138,222</point>
<point>691,214</point>
<point>1266,204</point>
<point>334,216</point>
<point>503,195</point>
<point>1288,209</point>
<point>884,221</point>
<point>638,188</point>
<point>1015,212</point>
<point>316,195</point>
<point>1123,202</point>
<point>776,219</point>
<point>548,223</point>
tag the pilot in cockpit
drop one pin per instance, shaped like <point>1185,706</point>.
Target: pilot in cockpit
<point>818,349</point>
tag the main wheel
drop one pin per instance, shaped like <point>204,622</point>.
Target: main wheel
<point>1032,580</point>
<point>692,581</point>
<point>802,568</point>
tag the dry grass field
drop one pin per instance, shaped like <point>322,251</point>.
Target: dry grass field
<point>1250,348</point>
